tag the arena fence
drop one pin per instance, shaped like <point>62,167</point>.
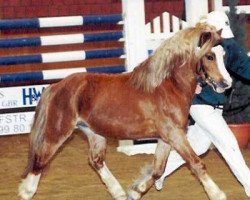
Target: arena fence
<point>18,103</point>
<point>19,74</point>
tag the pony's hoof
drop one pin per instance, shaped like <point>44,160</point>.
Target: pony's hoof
<point>158,185</point>
<point>25,196</point>
<point>133,195</point>
<point>247,190</point>
<point>123,197</point>
<point>219,196</point>
<point>25,193</point>
<point>223,196</point>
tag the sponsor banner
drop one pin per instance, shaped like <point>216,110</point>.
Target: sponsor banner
<point>21,96</point>
<point>16,123</point>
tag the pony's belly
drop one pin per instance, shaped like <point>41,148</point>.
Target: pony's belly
<point>132,135</point>
<point>127,131</point>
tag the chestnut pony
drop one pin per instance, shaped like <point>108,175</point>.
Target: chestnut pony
<point>152,101</point>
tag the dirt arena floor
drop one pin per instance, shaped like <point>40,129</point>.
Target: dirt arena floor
<point>69,177</point>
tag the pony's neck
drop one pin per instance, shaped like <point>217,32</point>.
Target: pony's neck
<point>172,55</point>
<point>185,80</point>
<point>146,78</point>
<point>160,66</point>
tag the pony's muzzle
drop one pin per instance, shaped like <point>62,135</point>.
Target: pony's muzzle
<point>225,84</point>
<point>222,85</point>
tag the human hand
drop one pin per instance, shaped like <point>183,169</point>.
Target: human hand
<point>198,89</point>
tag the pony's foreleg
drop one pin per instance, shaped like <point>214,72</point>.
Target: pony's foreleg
<point>180,143</point>
<point>111,182</point>
<point>150,173</point>
<point>97,153</point>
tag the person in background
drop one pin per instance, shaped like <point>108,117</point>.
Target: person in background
<point>206,110</point>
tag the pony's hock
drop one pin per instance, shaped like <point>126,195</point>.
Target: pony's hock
<point>161,94</point>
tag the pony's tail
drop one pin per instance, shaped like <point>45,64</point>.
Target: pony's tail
<point>31,159</point>
<point>37,131</point>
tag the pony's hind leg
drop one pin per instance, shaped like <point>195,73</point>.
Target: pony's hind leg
<point>180,143</point>
<point>150,173</point>
<point>41,157</point>
<point>46,136</point>
<point>97,153</point>
<point>29,185</point>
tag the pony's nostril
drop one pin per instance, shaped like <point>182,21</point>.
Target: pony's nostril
<point>224,84</point>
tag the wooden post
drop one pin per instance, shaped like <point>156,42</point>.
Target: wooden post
<point>135,42</point>
<point>134,30</point>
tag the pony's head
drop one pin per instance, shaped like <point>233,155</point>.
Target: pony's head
<point>212,69</point>
<point>209,37</point>
<point>210,56</point>
<point>187,47</point>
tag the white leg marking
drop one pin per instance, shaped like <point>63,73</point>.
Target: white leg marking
<point>212,189</point>
<point>28,187</point>
<point>107,177</point>
<point>247,190</point>
<point>159,183</point>
<point>133,195</point>
<point>112,184</point>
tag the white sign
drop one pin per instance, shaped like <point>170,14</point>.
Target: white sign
<point>16,123</point>
<point>21,96</point>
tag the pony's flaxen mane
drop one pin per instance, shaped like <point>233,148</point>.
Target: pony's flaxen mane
<point>174,52</point>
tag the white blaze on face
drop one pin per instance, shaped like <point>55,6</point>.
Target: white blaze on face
<point>219,53</point>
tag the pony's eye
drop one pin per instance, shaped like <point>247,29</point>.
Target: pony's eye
<point>227,23</point>
<point>210,57</point>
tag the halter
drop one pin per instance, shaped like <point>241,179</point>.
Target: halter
<point>201,74</point>
<point>203,78</point>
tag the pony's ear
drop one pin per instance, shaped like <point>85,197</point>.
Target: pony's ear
<point>206,42</point>
<point>205,36</point>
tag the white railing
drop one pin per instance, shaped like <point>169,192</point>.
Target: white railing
<point>218,5</point>
<point>244,8</point>
<point>156,34</point>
